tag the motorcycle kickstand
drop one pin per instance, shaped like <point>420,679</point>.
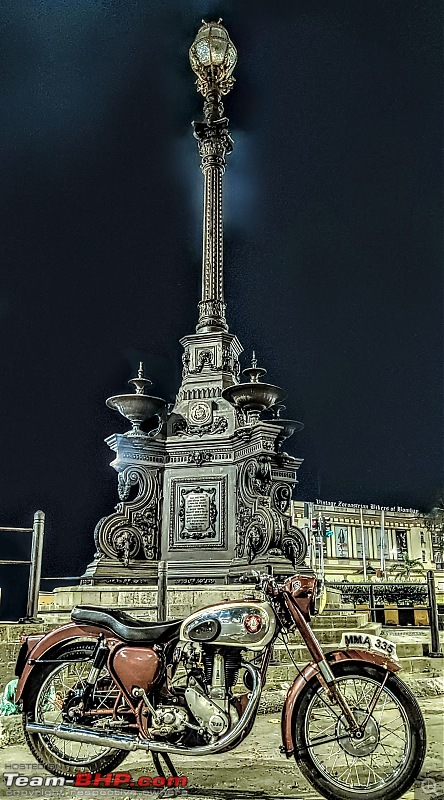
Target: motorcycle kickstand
<point>167,791</point>
<point>168,762</point>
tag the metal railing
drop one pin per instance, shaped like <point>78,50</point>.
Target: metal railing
<point>162,591</point>
<point>352,593</point>
<point>35,562</point>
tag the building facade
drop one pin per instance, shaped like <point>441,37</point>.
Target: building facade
<point>404,534</point>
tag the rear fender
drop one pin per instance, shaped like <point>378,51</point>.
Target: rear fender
<point>308,673</point>
<point>52,643</point>
<point>28,644</point>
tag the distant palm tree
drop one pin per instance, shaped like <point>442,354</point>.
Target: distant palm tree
<point>407,567</point>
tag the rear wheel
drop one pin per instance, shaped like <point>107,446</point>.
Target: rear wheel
<point>381,762</point>
<point>56,687</point>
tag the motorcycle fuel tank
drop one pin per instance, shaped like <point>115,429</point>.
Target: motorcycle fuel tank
<point>249,624</point>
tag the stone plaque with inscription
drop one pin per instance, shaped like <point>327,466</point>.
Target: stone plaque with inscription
<point>198,512</point>
<point>196,517</point>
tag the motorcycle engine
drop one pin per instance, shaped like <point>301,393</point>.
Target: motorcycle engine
<point>211,674</point>
<point>212,718</point>
<point>168,720</point>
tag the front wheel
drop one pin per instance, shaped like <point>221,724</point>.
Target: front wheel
<point>381,762</point>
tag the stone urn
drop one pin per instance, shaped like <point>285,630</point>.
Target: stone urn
<point>138,407</point>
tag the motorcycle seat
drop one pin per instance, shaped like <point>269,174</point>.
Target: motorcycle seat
<point>127,628</point>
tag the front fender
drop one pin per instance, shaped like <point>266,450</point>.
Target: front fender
<point>50,644</point>
<point>308,673</point>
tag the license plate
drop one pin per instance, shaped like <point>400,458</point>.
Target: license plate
<point>367,641</point>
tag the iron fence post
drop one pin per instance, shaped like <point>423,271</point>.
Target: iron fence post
<point>162,591</point>
<point>436,651</point>
<point>35,569</point>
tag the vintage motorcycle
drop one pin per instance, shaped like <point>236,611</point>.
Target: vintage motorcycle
<point>108,683</point>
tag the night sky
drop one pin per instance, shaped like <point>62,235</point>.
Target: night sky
<point>333,238</point>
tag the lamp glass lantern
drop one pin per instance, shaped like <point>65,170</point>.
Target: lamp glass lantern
<point>213,57</point>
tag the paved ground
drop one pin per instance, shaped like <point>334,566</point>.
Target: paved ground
<point>255,771</point>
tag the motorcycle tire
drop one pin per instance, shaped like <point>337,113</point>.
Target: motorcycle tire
<point>345,768</point>
<point>49,750</point>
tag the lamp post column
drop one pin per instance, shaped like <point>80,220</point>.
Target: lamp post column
<point>214,144</point>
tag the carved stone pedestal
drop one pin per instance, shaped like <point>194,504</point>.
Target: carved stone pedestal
<point>209,494</point>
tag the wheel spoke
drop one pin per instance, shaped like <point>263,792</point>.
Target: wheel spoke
<point>334,762</point>
<point>65,679</point>
<point>392,733</point>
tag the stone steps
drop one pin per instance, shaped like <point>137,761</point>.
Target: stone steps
<point>333,635</point>
<point>12,631</point>
<point>347,619</point>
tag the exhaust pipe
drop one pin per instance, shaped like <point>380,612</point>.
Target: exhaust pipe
<point>85,736</point>
<point>125,742</point>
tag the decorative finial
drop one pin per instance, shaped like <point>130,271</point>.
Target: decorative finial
<point>140,383</point>
<point>254,372</point>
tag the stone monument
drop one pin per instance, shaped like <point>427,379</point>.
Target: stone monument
<point>209,488</point>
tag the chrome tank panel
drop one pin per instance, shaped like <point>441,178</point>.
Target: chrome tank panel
<point>232,616</point>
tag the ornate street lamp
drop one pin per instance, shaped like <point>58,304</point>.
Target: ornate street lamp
<point>213,57</point>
